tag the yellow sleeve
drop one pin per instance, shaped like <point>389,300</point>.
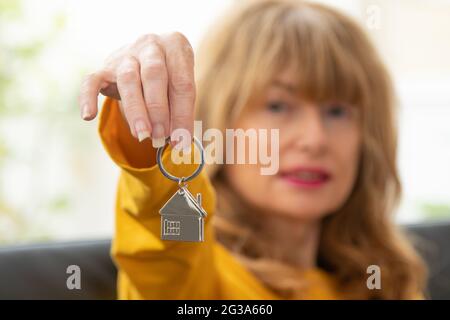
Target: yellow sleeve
<point>150,268</point>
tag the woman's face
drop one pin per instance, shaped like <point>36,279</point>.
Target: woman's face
<point>319,147</point>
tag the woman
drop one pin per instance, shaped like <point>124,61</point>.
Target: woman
<point>310,231</point>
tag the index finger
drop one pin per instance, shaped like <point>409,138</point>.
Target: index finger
<point>90,89</point>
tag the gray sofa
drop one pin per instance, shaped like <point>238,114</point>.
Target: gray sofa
<point>38,271</point>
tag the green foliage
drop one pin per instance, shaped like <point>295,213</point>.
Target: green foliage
<point>22,74</point>
<point>436,211</point>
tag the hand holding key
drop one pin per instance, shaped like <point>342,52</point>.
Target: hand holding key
<point>154,80</point>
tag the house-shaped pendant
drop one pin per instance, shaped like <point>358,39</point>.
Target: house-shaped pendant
<point>182,217</point>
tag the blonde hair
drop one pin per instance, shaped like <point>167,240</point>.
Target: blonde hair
<point>333,59</point>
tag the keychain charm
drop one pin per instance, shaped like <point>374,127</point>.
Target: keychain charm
<point>182,216</point>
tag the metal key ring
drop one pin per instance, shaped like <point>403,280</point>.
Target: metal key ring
<point>180,180</point>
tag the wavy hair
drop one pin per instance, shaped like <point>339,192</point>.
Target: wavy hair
<point>332,58</point>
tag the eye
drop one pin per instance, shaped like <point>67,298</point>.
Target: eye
<point>336,111</point>
<point>277,106</point>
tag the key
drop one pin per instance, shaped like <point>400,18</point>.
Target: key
<point>182,216</point>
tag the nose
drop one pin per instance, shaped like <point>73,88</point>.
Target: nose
<point>311,133</point>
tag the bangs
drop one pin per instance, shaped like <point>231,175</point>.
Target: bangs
<point>318,50</point>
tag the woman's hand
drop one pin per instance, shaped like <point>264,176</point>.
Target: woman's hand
<point>154,79</point>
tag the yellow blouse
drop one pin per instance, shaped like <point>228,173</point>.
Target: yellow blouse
<point>149,268</point>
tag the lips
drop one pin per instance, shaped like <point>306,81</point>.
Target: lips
<point>308,177</point>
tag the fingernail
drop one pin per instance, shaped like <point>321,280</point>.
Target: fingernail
<point>85,113</point>
<point>142,135</point>
<point>142,130</point>
<point>158,139</point>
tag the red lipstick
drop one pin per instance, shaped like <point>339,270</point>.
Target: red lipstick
<point>306,177</point>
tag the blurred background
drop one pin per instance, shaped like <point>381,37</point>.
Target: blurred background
<point>56,181</point>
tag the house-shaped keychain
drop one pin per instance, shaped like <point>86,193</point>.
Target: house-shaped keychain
<point>182,217</point>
